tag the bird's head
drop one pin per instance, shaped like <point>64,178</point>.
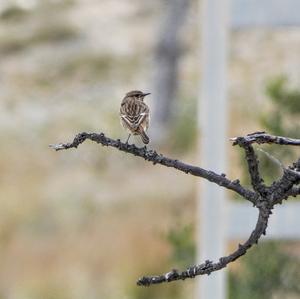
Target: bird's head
<point>137,94</point>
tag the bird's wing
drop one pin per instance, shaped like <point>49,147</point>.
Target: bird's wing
<point>137,118</point>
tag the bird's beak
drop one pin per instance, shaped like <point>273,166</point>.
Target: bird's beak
<point>146,94</point>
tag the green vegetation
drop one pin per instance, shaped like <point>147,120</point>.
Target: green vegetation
<point>282,119</point>
<point>13,13</point>
<point>183,252</point>
<point>45,34</point>
<point>265,271</point>
<point>269,269</point>
<point>53,33</point>
<point>182,242</point>
<point>96,65</point>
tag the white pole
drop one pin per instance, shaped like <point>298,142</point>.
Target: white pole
<point>213,138</point>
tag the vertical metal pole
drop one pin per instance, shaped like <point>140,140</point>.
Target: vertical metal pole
<point>213,138</point>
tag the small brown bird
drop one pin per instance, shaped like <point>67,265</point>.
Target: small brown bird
<point>135,114</point>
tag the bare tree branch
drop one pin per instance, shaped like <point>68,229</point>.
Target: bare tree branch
<point>280,189</point>
<point>295,191</point>
<point>284,187</point>
<point>252,161</point>
<point>263,197</point>
<point>263,137</point>
<point>208,266</point>
<point>155,158</point>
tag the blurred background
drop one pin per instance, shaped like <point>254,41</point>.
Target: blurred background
<point>66,231</point>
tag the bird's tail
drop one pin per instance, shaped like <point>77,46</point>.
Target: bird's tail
<point>144,137</point>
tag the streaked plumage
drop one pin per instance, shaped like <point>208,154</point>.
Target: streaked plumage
<point>134,114</point>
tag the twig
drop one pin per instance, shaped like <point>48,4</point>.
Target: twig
<point>295,191</point>
<point>280,189</point>
<point>263,137</point>
<point>252,161</point>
